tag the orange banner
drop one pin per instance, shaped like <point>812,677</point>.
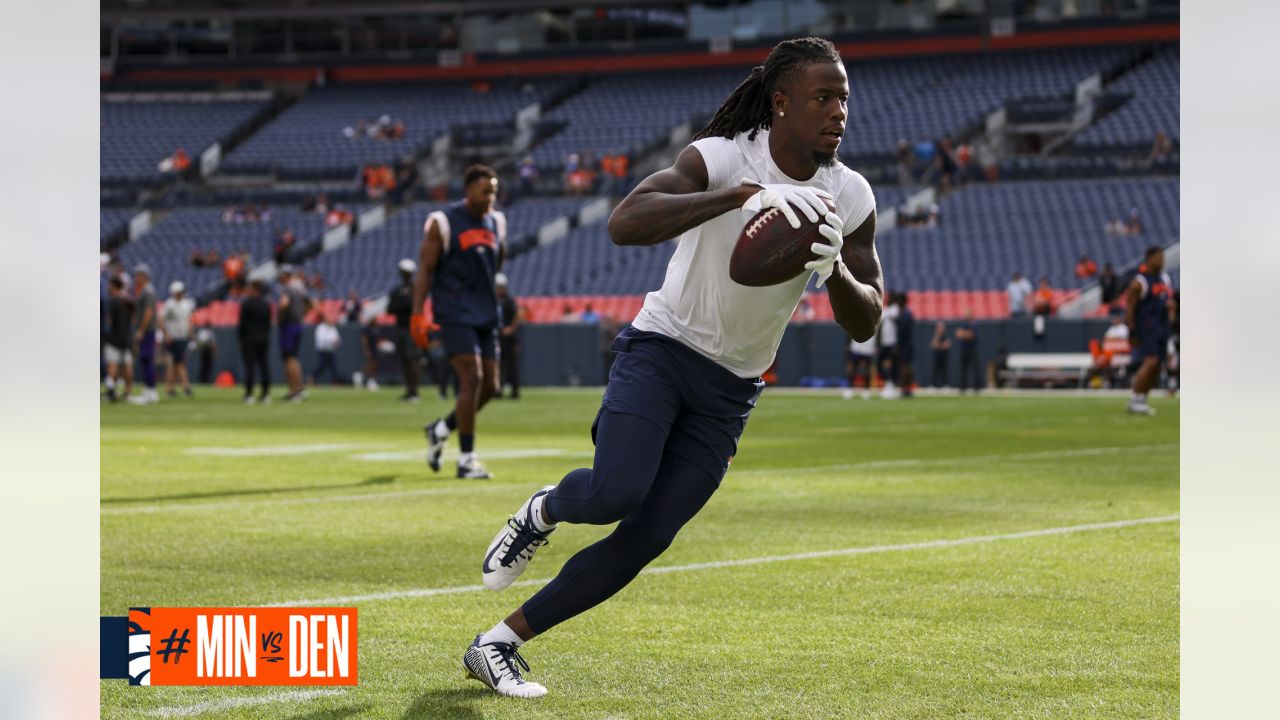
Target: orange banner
<point>247,646</point>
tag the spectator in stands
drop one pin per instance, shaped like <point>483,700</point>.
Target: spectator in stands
<point>357,131</point>
<point>1132,224</point>
<point>1109,284</point>
<point>176,325</point>
<point>508,337</point>
<point>406,179</point>
<point>906,345</point>
<point>327,342</point>
<point>1086,268</point>
<point>207,347</point>
<point>1042,306</point>
<point>234,266</point>
<point>177,163</point>
<point>254,333</point>
<point>400,305</point>
<point>1161,148</point>
<point>903,157</point>
<point>294,305</point>
<point>945,162</point>
<point>338,215</point>
<point>351,308</point>
<point>315,281</point>
<point>282,251</point>
<point>1114,227</point>
<point>967,336</point>
<point>528,174</point>
<point>145,319</point>
<point>118,339</point>
<point>589,316</point>
<point>614,165</point>
<point>1018,289</point>
<point>567,315</point>
<point>941,346</point>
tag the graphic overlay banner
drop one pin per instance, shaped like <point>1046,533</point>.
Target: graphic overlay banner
<point>232,646</point>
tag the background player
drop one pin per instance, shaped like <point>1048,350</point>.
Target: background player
<point>176,324</point>
<point>1149,307</point>
<point>400,305</point>
<point>463,248</point>
<point>687,372</point>
<point>144,321</point>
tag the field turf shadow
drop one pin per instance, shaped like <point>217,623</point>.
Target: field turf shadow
<point>450,703</point>
<point>376,480</point>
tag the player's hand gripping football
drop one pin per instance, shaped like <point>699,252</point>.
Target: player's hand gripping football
<point>419,328</point>
<point>827,254</point>
<point>783,196</point>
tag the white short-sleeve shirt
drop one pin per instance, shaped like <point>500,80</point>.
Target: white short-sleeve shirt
<point>737,326</point>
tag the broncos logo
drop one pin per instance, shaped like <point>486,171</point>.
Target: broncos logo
<point>139,646</point>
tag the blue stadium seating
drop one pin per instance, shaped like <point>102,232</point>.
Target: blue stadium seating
<point>988,232</point>
<point>112,221</point>
<point>1154,107</point>
<point>367,263</point>
<point>308,137</point>
<point>135,136</point>
<point>167,246</point>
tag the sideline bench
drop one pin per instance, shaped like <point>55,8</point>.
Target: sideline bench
<point>1048,369</point>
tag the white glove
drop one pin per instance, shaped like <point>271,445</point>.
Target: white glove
<point>827,254</point>
<point>782,196</point>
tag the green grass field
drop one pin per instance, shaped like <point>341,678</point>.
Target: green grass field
<point>212,503</point>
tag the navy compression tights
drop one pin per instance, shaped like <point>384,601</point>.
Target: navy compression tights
<point>653,494</point>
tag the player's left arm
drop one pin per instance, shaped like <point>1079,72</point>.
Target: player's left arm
<point>856,288</point>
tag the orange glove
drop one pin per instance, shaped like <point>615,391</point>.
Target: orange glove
<point>419,328</point>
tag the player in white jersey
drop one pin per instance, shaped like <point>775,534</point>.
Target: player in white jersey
<point>686,375</point>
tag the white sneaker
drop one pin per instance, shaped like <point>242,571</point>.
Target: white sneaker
<point>435,444</point>
<point>372,385</point>
<point>249,400</point>
<point>513,547</point>
<point>357,379</point>
<point>472,469</point>
<point>1141,408</point>
<point>498,664</point>
<point>847,394</point>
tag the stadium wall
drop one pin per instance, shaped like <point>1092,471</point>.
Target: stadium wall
<point>575,354</point>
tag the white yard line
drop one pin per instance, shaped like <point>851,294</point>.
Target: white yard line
<point>242,504</point>
<point>865,550</point>
<point>916,462</point>
<point>419,453</point>
<point>270,450</point>
<point>807,469</point>
<point>231,703</point>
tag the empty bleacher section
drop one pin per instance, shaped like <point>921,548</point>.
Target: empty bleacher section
<point>367,263</point>
<point>1040,229</point>
<point>136,136</point>
<point>308,140</point>
<point>628,112</point>
<point>922,99</point>
<point>1153,108</point>
<point>167,247</point>
<point>113,221</point>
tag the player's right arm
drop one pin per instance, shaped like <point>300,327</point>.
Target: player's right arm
<point>428,259</point>
<point>669,202</point>
<point>1132,296</point>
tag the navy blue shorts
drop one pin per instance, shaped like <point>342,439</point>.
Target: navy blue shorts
<point>1151,343</point>
<point>469,340</point>
<point>701,406</point>
<point>290,339</point>
<point>178,350</point>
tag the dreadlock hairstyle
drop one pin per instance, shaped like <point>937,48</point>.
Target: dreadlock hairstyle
<point>750,105</point>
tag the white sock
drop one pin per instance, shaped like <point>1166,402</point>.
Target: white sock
<point>539,520</point>
<point>111,383</point>
<point>501,633</point>
<point>1138,398</point>
<point>466,458</point>
<point>442,430</point>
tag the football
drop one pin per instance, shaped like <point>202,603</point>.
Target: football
<point>769,251</point>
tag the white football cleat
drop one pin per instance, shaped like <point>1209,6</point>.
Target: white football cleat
<point>513,547</point>
<point>498,664</point>
<point>1141,408</point>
